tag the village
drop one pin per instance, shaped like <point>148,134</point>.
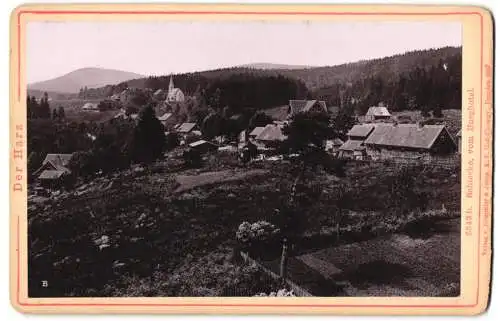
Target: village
<point>375,136</point>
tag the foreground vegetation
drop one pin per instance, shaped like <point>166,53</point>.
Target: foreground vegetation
<point>133,234</point>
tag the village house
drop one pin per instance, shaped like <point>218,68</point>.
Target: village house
<point>409,142</point>
<point>255,132</point>
<point>270,137</point>
<point>174,95</point>
<point>375,113</point>
<point>160,95</point>
<point>54,171</point>
<point>90,107</point>
<point>301,106</point>
<point>353,148</point>
<point>332,145</point>
<point>203,146</point>
<point>186,128</point>
<point>279,113</point>
<point>164,119</point>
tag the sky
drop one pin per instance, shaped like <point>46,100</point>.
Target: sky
<point>159,48</point>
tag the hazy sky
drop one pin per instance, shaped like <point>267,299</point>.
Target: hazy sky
<point>56,48</point>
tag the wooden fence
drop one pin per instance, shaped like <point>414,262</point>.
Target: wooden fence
<point>299,291</point>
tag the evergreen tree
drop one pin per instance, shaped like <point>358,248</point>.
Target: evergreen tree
<point>61,113</point>
<point>149,138</point>
<point>44,107</point>
<point>55,116</point>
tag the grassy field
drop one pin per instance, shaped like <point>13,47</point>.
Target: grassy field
<point>136,233</point>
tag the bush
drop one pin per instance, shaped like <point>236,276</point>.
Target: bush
<point>258,231</point>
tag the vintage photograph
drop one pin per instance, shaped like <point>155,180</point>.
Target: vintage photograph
<point>227,158</point>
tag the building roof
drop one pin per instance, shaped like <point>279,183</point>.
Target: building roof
<point>90,106</point>
<point>158,92</point>
<point>256,131</point>
<point>299,106</point>
<point>186,127</point>
<point>378,111</point>
<point>164,116</point>
<point>334,143</point>
<point>200,142</point>
<point>277,113</point>
<point>236,117</point>
<point>51,174</point>
<point>57,159</point>
<point>352,145</point>
<point>271,133</point>
<point>361,131</point>
<point>406,135</point>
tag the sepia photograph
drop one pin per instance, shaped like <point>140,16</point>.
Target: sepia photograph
<point>263,158</point>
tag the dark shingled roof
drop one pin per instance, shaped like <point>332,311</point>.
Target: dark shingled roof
<point>305,105</point>
<point>361,131</point>
<point>406,135</point>
<point>59,161</point>
<point>271,133</point>
<point>51,174</point>
<point>277,113</point>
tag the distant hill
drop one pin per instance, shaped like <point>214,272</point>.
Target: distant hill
<point>90,77</point>
<point>267,66</point>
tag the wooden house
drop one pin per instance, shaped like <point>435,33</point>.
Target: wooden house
<point>353,148</point>
<point>409,142</point>
<point>301,106</point>
<point>377,113</point>
<point>54,171</point>
<point>270,136</point>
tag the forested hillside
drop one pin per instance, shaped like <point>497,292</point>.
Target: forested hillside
<point>419,80</point>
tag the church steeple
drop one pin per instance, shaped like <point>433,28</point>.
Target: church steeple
<point>171,84</point>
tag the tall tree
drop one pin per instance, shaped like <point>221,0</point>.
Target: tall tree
<point>60,113</point>
<point>306,136</point>
<point>44,108</point>
<point>149,137</point>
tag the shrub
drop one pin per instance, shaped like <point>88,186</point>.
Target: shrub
<point>259,231</point>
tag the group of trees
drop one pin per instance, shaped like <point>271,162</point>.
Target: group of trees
<point>120,143</point>
<point>428,89</point>
<point>38,109</point>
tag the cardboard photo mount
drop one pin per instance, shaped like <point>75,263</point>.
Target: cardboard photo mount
<point>476,176</point>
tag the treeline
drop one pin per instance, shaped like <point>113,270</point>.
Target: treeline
<point>433,88</point>
<point>41,109</point>
<point>388,68</point>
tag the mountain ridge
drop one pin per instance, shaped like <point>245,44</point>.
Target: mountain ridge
<point>90,77</point>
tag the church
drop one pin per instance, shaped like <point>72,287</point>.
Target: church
<point>175,95</point>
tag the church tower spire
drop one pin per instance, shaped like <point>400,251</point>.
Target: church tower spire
<point>171,84</point>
